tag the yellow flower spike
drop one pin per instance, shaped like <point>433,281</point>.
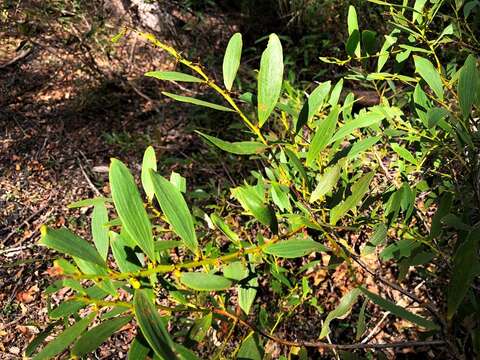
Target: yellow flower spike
<point>134,282</point>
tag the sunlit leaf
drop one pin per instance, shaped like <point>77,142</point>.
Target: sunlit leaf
<point>323,135</point>
<point>342,310</point>
<point>152,327</point>
<point>200,328</point>
<point>149,162</point>
<point>327,181</point>
<point>66,242</point>
<point>353,28</point>
<point>238,148</point>
<point>231,60</point>
<point>176,210</point>
<point>173,76</point>
<point>428,73</point>
<point>62,341</point>
<point>270,78</point>
<point>246,294</point>
<point>194,101</point>
<point>99,230</point>
<point>205,282</point>
<point>94,337</point>
<point>359,189</point>
<point>129,206</point>
<point>250,201</point>
<point>294,248</point>
<point>313,104</point>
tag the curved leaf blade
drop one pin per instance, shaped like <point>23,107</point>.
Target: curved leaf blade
<point>359,189</point>
<point>428,73</point>
<point>62,341</point>
<point>149,162</point>
<point>66,242</point>
<point>343,309</point>
<point>173,76</point>
<point>237,148</point>
<point>94,337</point>
<point>175,209</point>
<point>270,78</point>
<point>194,101</point>
<point>399,311</point>
<point>152,327</point>
<point>231,60</point>
<point>251,202</point>
<point>129,206</point>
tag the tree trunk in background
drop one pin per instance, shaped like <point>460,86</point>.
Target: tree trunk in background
<point>154,16</point>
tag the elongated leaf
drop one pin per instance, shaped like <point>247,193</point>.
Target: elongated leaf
<point>129,206</point>
<point>327,181</point>
<point>62,341</point>
<point>66,242</point>
<point>139,349</point>
<point>99,230</point>
<point>149,162</point>
<point>123,253</point>
<point>323,135</point>
<point>352,22</point>
<point>152,326</point>
<point>246,295</point>
<point>342,310</point>
<point>178,181</point>
<point>428,73</point>
<point>361,323</point>
<point>173,76</point>
<point>194,101</point>
<point>176,210</point>
<point>39,339</point>
<point>362,145</point>
<point>231,60</point>
<point>294,248</point>
<point>280,196</point>
<point>200,328</point>
<point>250,349</point>
<point>94,337</point>
<point>353,43</point>
<point>369,41</point>
<point>379,236</point>
<point>384,53</point>
<point>313,104</point>
<point>297,164</point>
<point>468,84</point>
<point>250,201</point>
<point>223,227</point>
<point>205,282</point>
<point>464,263</point>
<point>270,78</point>
<point>164,245</point>
<point>404,153</point>
<point>235,271</point>
<point>363,120</point>
<point>88,202</point>
<point>336,92</point>
<point>359,189</point>
<point>66,309</point>
<point>399,311</point>
<point>238,148</point>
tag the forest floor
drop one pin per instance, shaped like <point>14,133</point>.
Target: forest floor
<point>65,110</point>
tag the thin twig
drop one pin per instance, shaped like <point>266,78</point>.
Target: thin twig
<point>323,345</point>
<point>94,189</point>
